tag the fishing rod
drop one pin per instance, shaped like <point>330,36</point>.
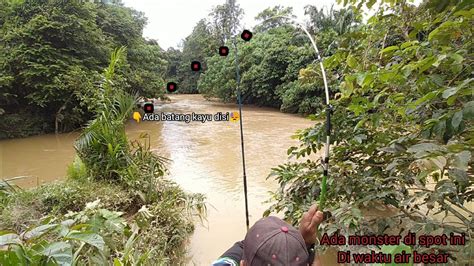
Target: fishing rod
<point>329,110</point>
<point>239,96</point>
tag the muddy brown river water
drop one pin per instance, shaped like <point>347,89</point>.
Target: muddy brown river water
<point>206,158</point>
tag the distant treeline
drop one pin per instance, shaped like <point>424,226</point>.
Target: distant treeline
<point>276,66</point>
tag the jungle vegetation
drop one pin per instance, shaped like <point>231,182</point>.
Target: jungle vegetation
<point>401,84</point>
<point>403,108</point>
<point>115,207</point>
<point>52,54</point>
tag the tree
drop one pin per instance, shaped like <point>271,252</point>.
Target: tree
<point>174,58</point>
<point>225,20</point>
<point>277,66</point>
<point>198,46</point>
<point>273,17</point>
<point>51,53</point>
<point>123,26</point>
<point>147,66</point>
<point>341,21</point>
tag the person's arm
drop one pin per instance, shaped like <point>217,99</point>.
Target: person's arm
<point>309,228</point>
<point>232,256</point>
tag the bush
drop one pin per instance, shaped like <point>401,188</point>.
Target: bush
<point>23,124</point>
<point>77,170</point>
<point>27,206</point>
<point>403,130</point>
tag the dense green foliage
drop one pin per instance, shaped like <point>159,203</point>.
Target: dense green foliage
<point>401,86</point>
<point>51,54</point>
<point>96,223</point>
<point>204,42</point>
<point>276,64</point>
<point>403,128</point>
<point>115,208</point>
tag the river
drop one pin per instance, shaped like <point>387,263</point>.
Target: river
<point>206,158</point>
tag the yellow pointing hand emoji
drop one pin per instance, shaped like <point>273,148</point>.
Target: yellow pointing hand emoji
<point>137,116</point>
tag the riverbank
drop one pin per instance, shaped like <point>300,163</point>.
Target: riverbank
<point>115,206</point>
<point>200,162</point>
<point>115,224</point>
<point>119,210</point>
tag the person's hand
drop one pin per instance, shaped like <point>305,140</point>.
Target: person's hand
<point>309,224</point>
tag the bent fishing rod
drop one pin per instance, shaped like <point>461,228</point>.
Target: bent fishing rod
<point>329,109</point>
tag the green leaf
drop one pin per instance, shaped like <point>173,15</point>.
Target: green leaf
<point>406,70</point>
<point>464,4</point>
<point>291,150</point>
<point>356,212</point>
<point>445,186</point>
<point>440,128</point>
<point>369,78</point>
<point>360,78</point>
<point>393,250</point>
<point>39,231</point>
<point>117,262</point>
<point>370,3</point>
<point>443,32</point>
<point>10,238</point>
<point>440,58</point>
<point>14,256</point>
<point>459,175</point>
<point>439,161</point>
<point>61,252</point>
<point>389,48</point>
<point>425,64</point>
<point>424,147</point>
<point>456,120</point>
<point>461,160</point>
<point>468,110</point>
<point>427,97</point>
<point>457,58</point>
<point>114,222</point>
<point>360,138</point>
<point>89,238</point>
<point>351,61</point>
<point>450,92</point>
<point>408,44</point>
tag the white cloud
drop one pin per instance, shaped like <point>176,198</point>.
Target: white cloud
<point>170,21</point>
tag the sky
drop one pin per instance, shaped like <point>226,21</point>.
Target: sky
<point>170,21</point>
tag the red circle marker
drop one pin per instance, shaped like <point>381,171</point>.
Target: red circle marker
<point>148,108</point>
<point>246,35</point>
<point>224,51</point>
<point>195,66</point>
<point>171,87</point>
